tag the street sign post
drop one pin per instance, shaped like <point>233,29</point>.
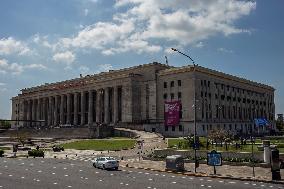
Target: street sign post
<point>214,159</point>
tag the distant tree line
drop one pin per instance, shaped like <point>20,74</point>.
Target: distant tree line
<point>5,124</point>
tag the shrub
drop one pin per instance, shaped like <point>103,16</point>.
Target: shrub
<point>36,153</point>
<point>1,153</point>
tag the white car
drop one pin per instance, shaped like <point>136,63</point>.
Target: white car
<point>106,163</point>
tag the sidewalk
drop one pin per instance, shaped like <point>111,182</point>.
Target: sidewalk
<point>225,171</point>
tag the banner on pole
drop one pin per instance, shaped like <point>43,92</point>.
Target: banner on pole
<point>172,110</point>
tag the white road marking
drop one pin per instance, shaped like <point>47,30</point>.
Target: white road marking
<point>173,176</point>
<point>149,187</point>
<point>100,180</point>
<point>66,175</point>
<point>163,175</point>
<point>209,180</point>
<point>139,172</point>
<point>262,185</point>
<point>53,173</point>
<point>174,182</point>
<point>221,181</point>
<point>55,183</point>
<point>209,186</point>
<point>134,177</point>
<point>10,175</point>
<point>22,177</point>
<point>26,169</point>
<point>150,179</point>
<point>246,183</point>
<point>64,168</point>
<point>39,171</point>
<point>232,182</point>
<point>271,186</point>
<point>80,170</point>
<point>111,174</point>
<point>126,184</point>
<point>37,180</point>
<point>121,183</point>
<point>86,178</point>
<point>146,173</point>
<point>201,179</point>
<point>202,185</point>
<point>69,186</point>
<point>97,172</point>
<point>54,167</point>
<point>5,166</point>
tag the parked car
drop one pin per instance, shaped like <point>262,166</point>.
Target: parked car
<point>106,163</point>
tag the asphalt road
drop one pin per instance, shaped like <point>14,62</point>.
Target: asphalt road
<point>55,173</point>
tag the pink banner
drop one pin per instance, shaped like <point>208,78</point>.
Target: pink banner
<point>172,113</point>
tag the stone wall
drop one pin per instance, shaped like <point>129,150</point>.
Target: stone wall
<point>203,154</point>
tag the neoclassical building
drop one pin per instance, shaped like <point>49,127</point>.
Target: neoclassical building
<point>135,98</point>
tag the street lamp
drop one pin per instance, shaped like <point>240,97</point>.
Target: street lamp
<point>194,105</point>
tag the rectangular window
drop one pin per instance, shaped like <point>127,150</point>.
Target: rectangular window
<point>203,127</point>
<point>172,96</point>
<point>180,127</point>
<point>179,82</point>
<point>165,85</point>
<point>179,95</point>
<point>165,96</point>
<point>172,83</point>
<point>173,128</point>
<point>166,128</point>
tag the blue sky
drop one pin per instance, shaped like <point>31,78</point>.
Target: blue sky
<point>47,41</point>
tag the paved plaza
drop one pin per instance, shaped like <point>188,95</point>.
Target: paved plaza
<point>22,173</point>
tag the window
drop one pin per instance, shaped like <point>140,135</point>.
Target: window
<point>210,126</point>
<point>180,127</point>
<point>179,82</point>
<point>165,96</point>
<point>172,96</point>
<point>179,95</point>
<point>166,128</point>
<point>173,128</point>
<point>165,85</point>
<point>172,83</point>
<point>201,82</point>
<point>208,84</point>
<point>203,127</point>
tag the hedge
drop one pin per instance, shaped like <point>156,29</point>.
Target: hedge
<point>36,153</point>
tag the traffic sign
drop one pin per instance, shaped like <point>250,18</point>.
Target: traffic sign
<point>214,158</point>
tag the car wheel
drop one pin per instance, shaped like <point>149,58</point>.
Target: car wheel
<point>104,167</point>
<point>116,168</point>
<point>94,164</point>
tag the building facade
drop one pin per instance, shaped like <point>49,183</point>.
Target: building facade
<point>135,98</point>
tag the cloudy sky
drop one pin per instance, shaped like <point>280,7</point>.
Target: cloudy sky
<point>47,41</point>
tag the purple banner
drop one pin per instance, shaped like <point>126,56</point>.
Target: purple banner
<point>172,113</point>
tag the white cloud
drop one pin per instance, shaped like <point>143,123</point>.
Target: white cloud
<point>11,46</point>
<point>2,84</point>
<point>200,44</point>
<point>140,25</point>
<point>15,68</point>
<point>66,57</point>
<point>103,68</point>
<point>84,70</point>
<point>86,12</point>
<point>224,50</point>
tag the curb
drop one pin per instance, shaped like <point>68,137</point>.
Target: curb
<point>206,175</point>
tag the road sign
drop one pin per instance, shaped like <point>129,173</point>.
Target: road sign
<point>214,158</point>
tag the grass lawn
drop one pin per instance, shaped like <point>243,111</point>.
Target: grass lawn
<point>103,144</point>
<point>244,148</point>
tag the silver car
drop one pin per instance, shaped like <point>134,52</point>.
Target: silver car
<point>106,163</point>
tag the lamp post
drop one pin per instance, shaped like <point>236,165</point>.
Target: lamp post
<point>194,105</point>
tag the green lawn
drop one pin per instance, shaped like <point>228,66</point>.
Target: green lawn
<point>182,144</point>
<point>5,148</point>
<point>103,144</point>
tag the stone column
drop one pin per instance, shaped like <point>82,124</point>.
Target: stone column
<point>61,109</point>
<point>38,112</point>
<point>98,108</point>
<point>106,103</point>
<point>44,111</point>
<point>83,108</point>
<point>115,105</point>
<point>49,111</point>
<point>55,111</point>
<point>28,112</point>
<point>75,121</point>
<point>34,112</point>
<point>68,108</point>
<point>90,114</point>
